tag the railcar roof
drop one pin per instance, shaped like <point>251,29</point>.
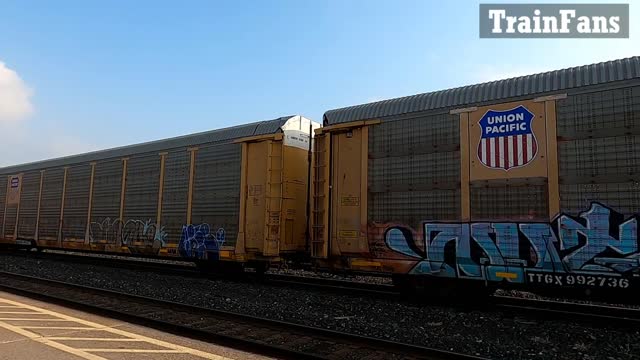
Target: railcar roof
<point>530,85</point>
<point>213,136</point>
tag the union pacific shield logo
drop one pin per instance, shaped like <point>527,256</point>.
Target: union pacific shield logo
<point>507,141</point>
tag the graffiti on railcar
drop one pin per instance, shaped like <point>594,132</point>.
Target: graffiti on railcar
<point>593,249</point>
<point>200,242</point>
<point>105,231</point>
<point>138,235</point>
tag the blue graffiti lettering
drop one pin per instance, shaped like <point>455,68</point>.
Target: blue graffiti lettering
<point>199,242</point>
<point>596,238</point>
<point>598,241</point>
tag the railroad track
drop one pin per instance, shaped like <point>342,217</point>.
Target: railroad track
<point>177,268</point>
<point>188,269</point>
<point>270,337</point>
<point>335,285</point>
<point>597,315</point>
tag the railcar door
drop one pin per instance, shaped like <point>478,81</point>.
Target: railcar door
<point>348,191</point>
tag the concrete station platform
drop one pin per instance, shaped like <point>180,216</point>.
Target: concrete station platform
<point>31,330</point>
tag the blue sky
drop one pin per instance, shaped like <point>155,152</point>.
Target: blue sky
<point>86,75</point>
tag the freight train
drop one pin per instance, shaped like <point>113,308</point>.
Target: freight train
<point>532,181</point>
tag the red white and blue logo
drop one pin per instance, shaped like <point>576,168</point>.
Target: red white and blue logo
<point>507,141</point>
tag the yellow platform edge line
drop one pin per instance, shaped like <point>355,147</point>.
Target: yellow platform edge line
<point>31,319</point>
<point>97,326</point>
<point>152,351</point>
<point>53,344</point>
<point>70,338</point>
<point>59,328</point>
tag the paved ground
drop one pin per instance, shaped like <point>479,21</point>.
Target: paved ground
<point>32,330</point>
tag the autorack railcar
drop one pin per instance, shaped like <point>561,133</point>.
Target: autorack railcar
<point>533,181</point>
<point>237,195</point>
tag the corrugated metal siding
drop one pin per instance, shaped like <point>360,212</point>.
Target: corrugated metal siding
<point>10,220</point>
<point>221,135</point>
<point>143,182</point>
<point>580,116</point>
<point>29,205</point>
<point>139,231</point>
<point>605,159</point>
<point>76,203</point>
<point>216,191</point>
<point>175,194</point>
<point>622,197</point>
<point>107,185</point>
<point>414,170</point>
<point>531,85</point>
<point>50,204</point>
<point>509,202</point>
<point>265,127</point>
<point>105,207</point>
<point>413,207</point>
<point>599,150</point>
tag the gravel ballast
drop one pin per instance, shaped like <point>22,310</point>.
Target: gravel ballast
<point>483,333</point>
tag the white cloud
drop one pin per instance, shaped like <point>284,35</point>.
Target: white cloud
<point>27,141</point>
<point>15,96</point>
